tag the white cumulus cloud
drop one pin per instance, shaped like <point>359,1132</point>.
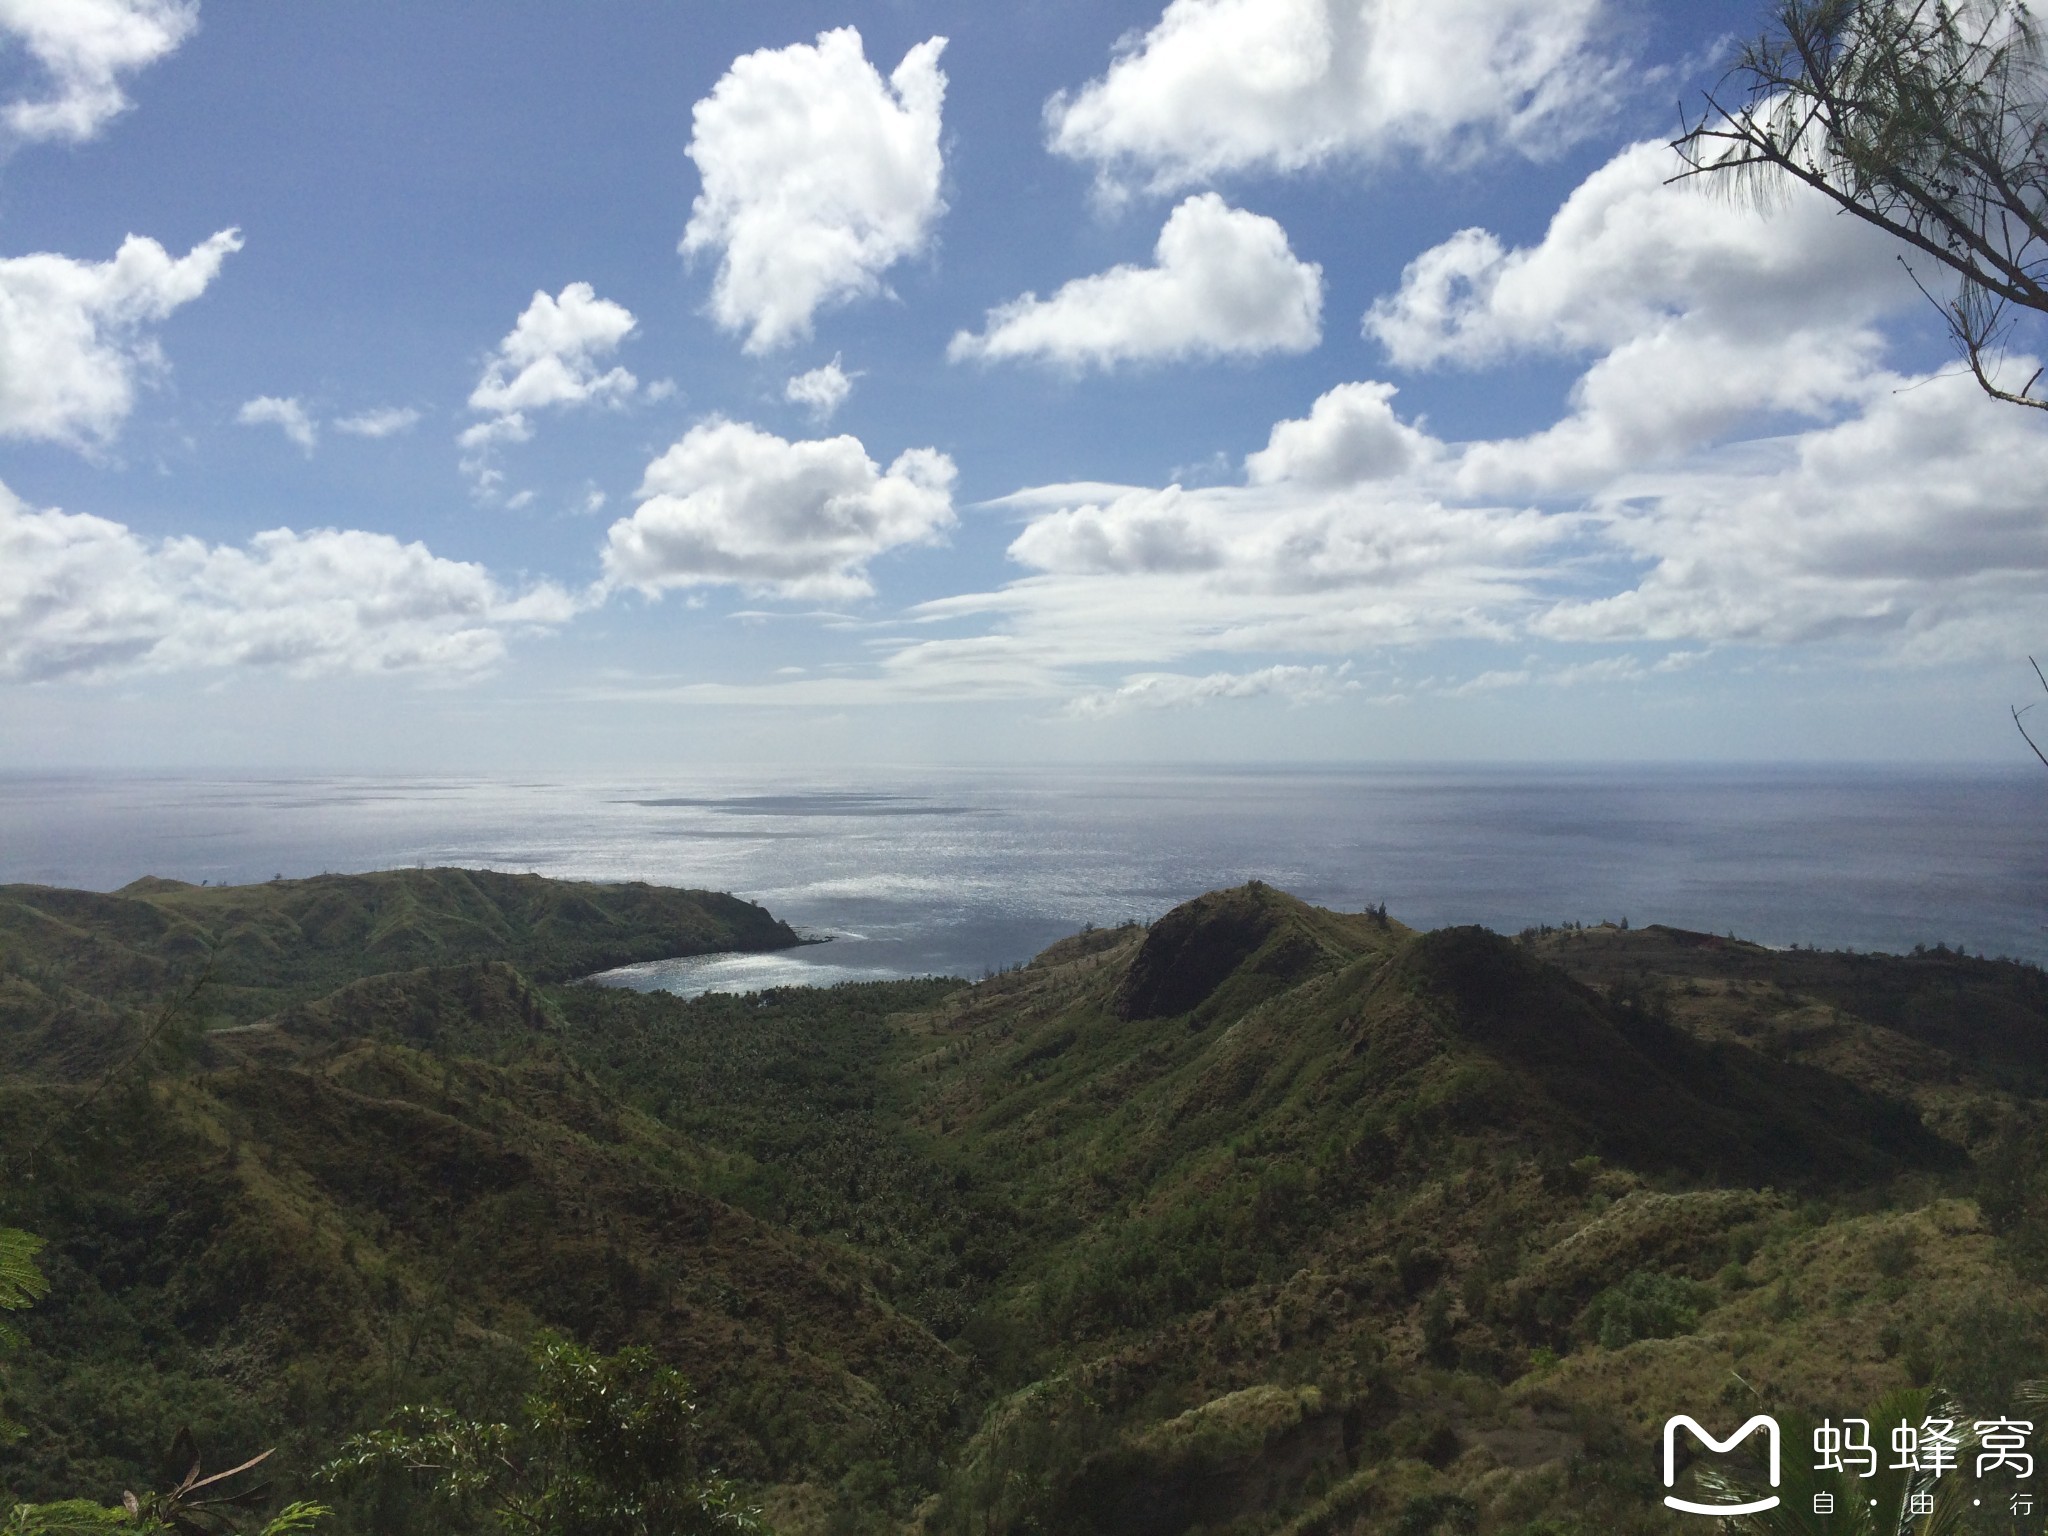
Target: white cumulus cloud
<point>1225,283</point>
<point>1628,250</point>
<point>1698,312</point>
<point>1288,542</point>
<point>818,177</point>
<point>731,503</point>
<point>73,334</point>
<point>1221,86</point>
<point>1912,528</point>
<point>85,47</point>
<point>1906,529</point>
<point>385,421</point>
<point>1350,434</point>
<point>1323,550</point>
<point>85,597</point>
<point>1743,471</point>
<point>1135,532</point>
<point>287,415</point>
<point>821,391</point>
<point>554,356</point>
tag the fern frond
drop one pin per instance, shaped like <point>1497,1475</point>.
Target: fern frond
<point>21,1283</point>
<point>72,1517</point>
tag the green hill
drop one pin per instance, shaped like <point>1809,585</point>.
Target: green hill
<point>74,965</point>
<point>1259,1219</point>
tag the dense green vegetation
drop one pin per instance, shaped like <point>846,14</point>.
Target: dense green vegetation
<point>1261,1219</point>
<point>604,1445</point>
<point>72,960</point>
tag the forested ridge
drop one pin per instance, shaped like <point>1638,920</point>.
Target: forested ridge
<point>1262,1218</point>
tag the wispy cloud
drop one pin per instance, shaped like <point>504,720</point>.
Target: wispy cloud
<point>287,415</point>
<point>1173,690</point>
<point>388,421</point>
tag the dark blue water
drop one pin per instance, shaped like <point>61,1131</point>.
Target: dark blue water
<point>963,872</point>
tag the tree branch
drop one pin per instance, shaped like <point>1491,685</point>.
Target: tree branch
<point>1927,119</point>
<point>2017,712</point>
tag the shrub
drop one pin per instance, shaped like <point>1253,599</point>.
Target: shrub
<point>1646,1305</point>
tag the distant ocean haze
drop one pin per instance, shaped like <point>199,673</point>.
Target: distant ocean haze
<point>964,872</point>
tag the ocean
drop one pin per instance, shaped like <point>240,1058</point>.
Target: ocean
<point>965,872</point>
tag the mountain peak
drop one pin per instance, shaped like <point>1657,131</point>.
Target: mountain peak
<point>1191,952</point>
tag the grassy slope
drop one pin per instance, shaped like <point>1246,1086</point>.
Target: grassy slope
<point>1397,1183</point>
<point>1262,1219</point>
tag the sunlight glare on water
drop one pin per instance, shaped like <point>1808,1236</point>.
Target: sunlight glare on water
<point>965,872</point>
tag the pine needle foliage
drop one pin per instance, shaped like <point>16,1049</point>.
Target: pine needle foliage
<point>1926,118</point>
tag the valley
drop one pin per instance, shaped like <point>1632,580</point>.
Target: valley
<point>1260,1218</point>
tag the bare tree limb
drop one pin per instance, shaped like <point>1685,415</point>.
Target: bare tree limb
<point>2017,712</point>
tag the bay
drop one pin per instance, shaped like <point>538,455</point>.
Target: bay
<point>967,871</point>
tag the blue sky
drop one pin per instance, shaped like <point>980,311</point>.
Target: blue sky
<point>575,388</point>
